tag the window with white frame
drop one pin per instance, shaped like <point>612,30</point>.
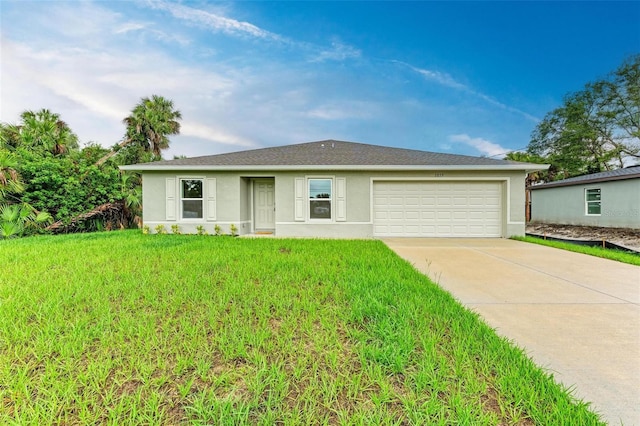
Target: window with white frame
<point>191,198</point>
<point>593,201</point>
<point>320,196</point>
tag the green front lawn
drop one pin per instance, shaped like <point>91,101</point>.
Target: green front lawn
<point>605,253</point>
<point>125,328</point>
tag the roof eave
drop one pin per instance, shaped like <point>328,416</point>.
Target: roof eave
<point>560,183</point>
<point>223,168</point>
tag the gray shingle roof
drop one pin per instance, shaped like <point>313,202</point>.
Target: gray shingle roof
<point>632,172</point>
<point>328,153</point>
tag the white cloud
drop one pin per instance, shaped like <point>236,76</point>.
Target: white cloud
<point>94,90</point>
<point>212,21</point>
<point>266,90</point>
<point>216,22</point>
<point>130,26</point>
<point>439,77</point>
<point>484,146</point>
<point>447,80</point>
<point>338,52</point>
<point>202,131</point>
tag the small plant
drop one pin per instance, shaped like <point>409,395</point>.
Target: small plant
<point>146,229</point>
<point>217,229</point>
<point>200,230</point>
<point>175,229</point>
<point>160,229</point>
<point>234,230</point>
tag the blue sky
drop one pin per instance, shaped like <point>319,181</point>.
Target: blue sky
<point>460,77</point>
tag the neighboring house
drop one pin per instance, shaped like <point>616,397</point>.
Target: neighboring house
<point>337,189</point>
<point>608,199</point>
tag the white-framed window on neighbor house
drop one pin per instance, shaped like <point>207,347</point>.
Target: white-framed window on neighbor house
<point>192,198</point>
<point>593,203</point>
<point>320,198</point>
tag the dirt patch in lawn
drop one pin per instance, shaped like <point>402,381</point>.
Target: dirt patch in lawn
<point>626,237</point>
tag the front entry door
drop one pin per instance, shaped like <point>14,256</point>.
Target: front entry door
<point>264,204</point>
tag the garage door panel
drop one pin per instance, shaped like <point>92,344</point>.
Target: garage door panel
<point>427,229</point>
<point>442,230</point>
<point>460,215</point>
<point>428,215</point>
<point>396,229</point>
<point>396,201</point>
<point>443,200</point>
<point>412,215</point>
<point>437,209</point>
<point>491,216</point>
<point>428,201</point>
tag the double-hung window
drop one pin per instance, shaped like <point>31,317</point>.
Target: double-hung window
<point>592,199</point>
<point>320,196</point>
<point>191,198</point>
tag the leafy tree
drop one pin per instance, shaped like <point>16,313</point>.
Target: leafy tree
<point>150,123</point>
<point>9,136</point>
<point>16,216</point>
<point>595,129</point>
<point>42,170</point>
<point>69,186</point>
<point>10,180</point>
<point>41,132</point>
<point>533,177</point>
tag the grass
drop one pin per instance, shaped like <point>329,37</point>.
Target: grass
<point>123,328</point>
<point>605,253</point>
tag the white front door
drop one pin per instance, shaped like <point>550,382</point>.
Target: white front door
<point>264,206</point>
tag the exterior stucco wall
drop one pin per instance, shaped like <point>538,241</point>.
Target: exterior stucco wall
<point>620,204</point>
<point>231,198</point>
<point>234,200</point>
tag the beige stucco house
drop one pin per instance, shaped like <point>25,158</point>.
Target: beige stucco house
<point>337,189</point>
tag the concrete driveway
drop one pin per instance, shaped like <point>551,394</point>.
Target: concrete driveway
<point>577,316</point>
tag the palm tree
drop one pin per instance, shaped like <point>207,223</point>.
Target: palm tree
<point>44,131</point>
<point>148,126</point>
<point>10,182</point>
<point>9,136</point>
<point>18,219</point>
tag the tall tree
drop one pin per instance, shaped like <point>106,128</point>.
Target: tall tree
<point>150,123</point>
<point>533,177</point>
<point>45,176</point>
<point>40,132</point>
<point>596,128</point>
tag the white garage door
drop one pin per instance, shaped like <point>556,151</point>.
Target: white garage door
<point>437,209</point>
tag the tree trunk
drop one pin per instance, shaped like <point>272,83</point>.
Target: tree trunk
<point>111,153</point>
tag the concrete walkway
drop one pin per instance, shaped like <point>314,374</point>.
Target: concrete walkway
<point>576,315</point>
